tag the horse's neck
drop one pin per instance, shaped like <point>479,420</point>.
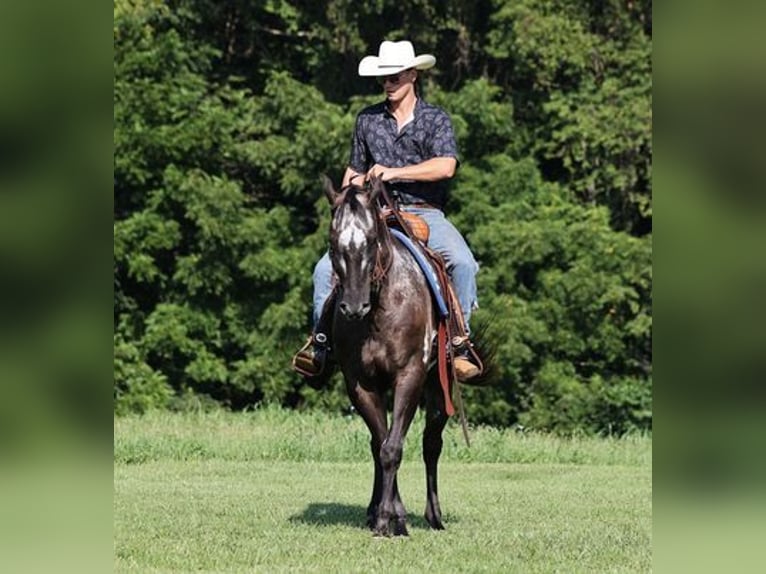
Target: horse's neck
<point>403,270</point>
<point>406,290</point>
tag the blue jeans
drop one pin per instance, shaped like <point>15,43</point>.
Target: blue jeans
<point>445,239</point>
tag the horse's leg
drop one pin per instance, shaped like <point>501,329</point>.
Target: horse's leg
<point>400,513</point>
<point>436,419</point>
<point>406,392</point>
<point>372,509</point>
<point>372,409</point>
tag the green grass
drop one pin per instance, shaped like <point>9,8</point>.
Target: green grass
<point>270,491</point>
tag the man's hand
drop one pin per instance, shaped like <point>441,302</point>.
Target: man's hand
<point>350,176</point>
<point>381,171</point>
<point>434,169</point>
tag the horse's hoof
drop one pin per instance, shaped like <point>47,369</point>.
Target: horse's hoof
<point>400,528</point>
<point>434,523</point>
<point>382,529</point>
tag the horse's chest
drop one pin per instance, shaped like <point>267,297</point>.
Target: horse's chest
<point>374,357</point>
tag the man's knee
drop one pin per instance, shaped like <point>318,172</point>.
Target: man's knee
<point>323,269</point>
<point>464,264</point>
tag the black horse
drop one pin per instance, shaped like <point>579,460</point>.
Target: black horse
<point>383,330</point>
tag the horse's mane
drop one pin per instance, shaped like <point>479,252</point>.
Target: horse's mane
<point>350,195</point>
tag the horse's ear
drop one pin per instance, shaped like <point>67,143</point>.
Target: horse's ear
<point>376,186</point>
<point>329,190</point>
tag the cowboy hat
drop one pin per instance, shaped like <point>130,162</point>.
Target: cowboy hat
<point>392,58</point>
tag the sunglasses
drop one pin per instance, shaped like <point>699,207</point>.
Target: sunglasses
<point>395,79</point>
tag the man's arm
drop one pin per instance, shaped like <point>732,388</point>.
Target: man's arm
<point>434,169</point>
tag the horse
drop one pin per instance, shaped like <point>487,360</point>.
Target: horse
<point>383,330</point>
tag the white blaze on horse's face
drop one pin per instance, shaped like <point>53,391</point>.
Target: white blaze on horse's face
<point>352,237</point>
<point>354,234</point>
<point>355,243</point>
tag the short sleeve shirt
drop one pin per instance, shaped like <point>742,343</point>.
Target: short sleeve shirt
<point>376,139</point>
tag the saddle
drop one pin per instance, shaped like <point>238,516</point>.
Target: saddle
<point>416,224</point>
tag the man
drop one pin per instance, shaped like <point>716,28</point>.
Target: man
<point>411,146</point>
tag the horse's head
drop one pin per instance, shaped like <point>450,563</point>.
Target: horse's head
<point>354,244</point>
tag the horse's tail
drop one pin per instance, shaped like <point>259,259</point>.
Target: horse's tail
<point>485,348</point>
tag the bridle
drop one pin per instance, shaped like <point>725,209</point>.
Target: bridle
<point>384,247</point>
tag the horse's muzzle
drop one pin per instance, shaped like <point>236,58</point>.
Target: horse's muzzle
<point>354,312</point>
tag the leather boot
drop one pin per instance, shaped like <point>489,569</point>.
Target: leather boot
<point>311,360</point>
<point>465,370</point>
<point>464,361</point>
<point>314,361</point>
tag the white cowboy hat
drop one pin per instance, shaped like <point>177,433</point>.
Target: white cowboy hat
<point>392,58</point>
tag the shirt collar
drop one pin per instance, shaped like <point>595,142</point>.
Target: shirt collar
<point>415,111</point>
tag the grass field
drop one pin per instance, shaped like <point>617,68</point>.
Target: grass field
<point>272,491</point>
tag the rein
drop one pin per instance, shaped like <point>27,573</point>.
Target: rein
<point>382,267</point>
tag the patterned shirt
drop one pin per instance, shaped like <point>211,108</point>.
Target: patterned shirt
<point>429,135</point>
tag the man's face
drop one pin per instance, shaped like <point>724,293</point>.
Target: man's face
<point>398,85</point>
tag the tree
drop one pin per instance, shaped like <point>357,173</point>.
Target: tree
<point>580,74</point>
<point>226,115</point>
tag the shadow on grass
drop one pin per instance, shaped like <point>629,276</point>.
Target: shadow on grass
<point>355,515</point>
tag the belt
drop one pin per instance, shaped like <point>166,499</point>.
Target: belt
<point>406,198</point>
<point>420,205</point>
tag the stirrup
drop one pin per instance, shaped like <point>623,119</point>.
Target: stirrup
<point>460,342</point>
<point>308,361</point>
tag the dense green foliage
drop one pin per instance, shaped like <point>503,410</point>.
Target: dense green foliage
<point>226,114</point>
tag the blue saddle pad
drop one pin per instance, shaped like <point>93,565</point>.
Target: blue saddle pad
<point>428,271</point>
